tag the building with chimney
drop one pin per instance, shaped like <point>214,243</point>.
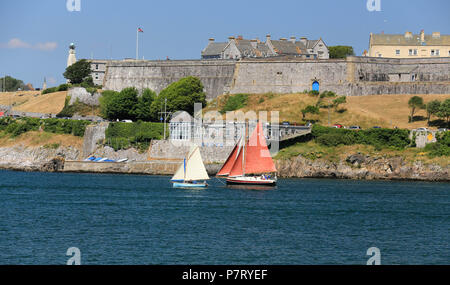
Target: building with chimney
<point>238,48</point>
<point>409,45</point>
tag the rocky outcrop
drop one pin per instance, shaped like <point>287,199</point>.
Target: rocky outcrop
<point>40,158</point>
<point>359,166</point>
<point>81,94</point>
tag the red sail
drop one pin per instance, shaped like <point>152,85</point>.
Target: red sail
<point>237,169</point>
<point>226,168</point>
<point>257,156</point>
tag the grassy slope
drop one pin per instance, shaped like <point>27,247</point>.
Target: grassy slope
<point>34,101</point>
<point>35,138</point>
<point>366,111</point>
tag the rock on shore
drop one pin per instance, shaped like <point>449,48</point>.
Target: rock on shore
<point>39,158</point>
<point>359,166</point>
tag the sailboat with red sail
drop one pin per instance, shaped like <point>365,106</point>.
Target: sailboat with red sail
<point>250,162</point>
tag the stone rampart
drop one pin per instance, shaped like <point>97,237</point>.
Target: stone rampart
<point>353,76</point>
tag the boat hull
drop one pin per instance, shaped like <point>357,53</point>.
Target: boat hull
<point>189,185</point>
<point>244,180</point>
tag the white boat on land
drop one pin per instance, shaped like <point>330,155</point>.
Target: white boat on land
<point>250,162</point>
<point>192,172</point>
<point>122,160</point>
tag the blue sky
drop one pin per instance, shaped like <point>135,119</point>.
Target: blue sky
<point>35,35</point>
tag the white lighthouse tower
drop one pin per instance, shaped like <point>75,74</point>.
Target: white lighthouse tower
<point>71,59</point>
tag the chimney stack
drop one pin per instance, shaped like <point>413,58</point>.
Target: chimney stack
<point>292,39</point>
<point>211,40</point>
<point>408,35</point>
<point>283,39</point>
<point>267,38</point>
<point>422,36</point>
<point>230,38</point>
<point>304,40</point>
<point>254,43</point>
<point>436,35</point>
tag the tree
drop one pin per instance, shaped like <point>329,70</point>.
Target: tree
<point>415,103</point>
<point>78,72</point>
<point>444,110</point>
<point>338,101</point>
<point>181,96</point>
<point>341,51</point>
<point>432,109</point>
<point>105,100</point>
<point>11,84</point>
<point>143,108</point>
<point>310,109</point>
<point>123,105</point>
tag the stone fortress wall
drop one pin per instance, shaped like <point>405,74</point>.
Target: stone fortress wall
<point>353,76</point>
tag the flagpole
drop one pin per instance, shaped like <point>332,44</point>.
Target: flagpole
<point>137,44</point>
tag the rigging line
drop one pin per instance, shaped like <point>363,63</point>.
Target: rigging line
<point>220,181</point>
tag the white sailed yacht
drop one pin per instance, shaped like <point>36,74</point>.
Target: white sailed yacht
<point>192,172</point>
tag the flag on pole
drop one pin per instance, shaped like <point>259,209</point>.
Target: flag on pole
<point>140,30</point>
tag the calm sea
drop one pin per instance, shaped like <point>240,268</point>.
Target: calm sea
<point>125,219</point>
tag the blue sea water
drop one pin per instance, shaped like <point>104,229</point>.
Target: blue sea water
<point>128,219</point>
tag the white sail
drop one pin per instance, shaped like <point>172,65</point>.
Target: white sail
<point>195,169</point>
<point>192,168</point>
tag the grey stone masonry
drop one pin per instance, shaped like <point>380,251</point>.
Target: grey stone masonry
<point>353,76</point>
<point>157,75</point>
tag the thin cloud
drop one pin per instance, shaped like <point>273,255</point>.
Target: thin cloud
<point>18,43</point>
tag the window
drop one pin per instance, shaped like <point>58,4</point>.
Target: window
<point>397,52</point>
<point>413,52</point>
<point>437,52</point>
<point>96,66</point>
<point>432,52</point>
<point>380,55</point>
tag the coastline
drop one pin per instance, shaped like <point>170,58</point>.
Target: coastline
<point>355,167</point>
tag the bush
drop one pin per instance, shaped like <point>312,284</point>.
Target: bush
<point>441,147</point>
<point>235,102</point>
<point>139,134</point>
<point>17,127</point>
<point>50,90</point>
<point>380,138</point>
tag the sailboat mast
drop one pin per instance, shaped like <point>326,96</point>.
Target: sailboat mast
<point>243,154</point>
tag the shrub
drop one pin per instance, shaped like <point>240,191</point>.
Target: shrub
<point>235,102</point>
<point>380,138</point>
<point>139,134</point>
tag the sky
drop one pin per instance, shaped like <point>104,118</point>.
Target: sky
<point>35,35</point>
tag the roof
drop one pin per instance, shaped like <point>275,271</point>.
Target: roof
<point>181,116</point>
<point>401,40</point>
<point>285,47</point>
<point>311,43</point>
<point>214,49</point>
<point>245,47</point>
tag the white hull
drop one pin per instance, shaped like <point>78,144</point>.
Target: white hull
<point>250,180</point>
